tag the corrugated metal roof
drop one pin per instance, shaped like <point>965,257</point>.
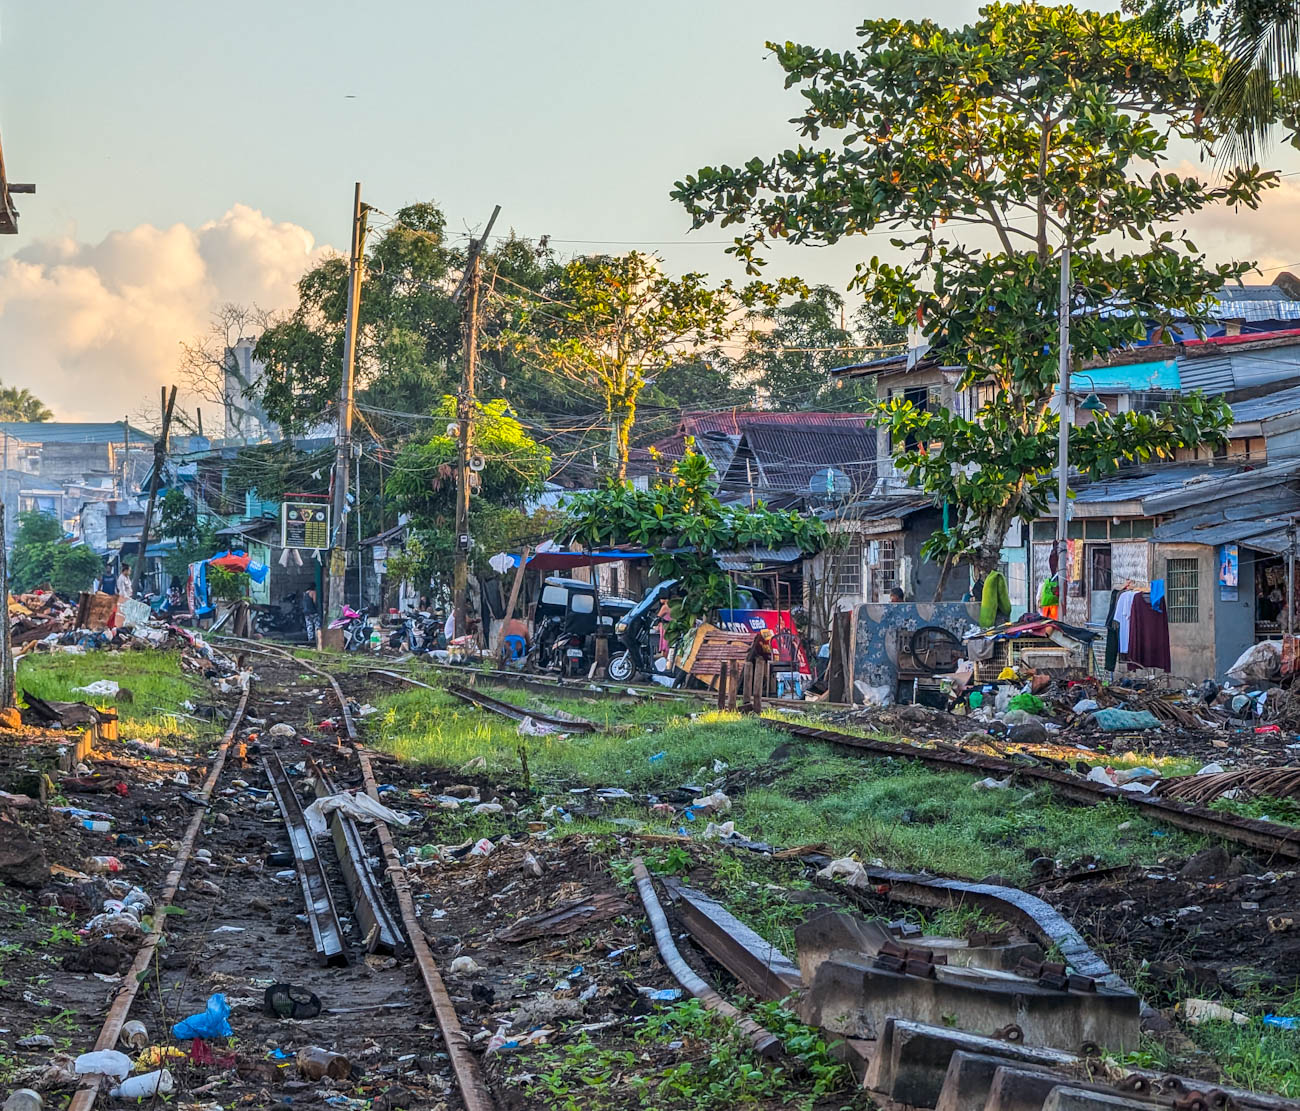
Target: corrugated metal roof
<point>1143,484</point>
<point>875,509</point>
<point>1270,405</point>
<point>1212,375</point>
<point>71,432</point>
<point>787,458</point>
<point>756,557</point>
<point>1220,483</point>
<point>1198,531</point>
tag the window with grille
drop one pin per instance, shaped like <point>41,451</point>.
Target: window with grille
<point>1183,590</point>
<point>884,573</point>
<point>846,567</point>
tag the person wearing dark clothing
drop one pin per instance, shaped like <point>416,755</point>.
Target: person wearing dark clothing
<point>310,614</point>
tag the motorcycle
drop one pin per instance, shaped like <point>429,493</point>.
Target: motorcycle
<point>356,629</point>
<point>568,627</point>
<point>421,632</point>
<point>283,616</point>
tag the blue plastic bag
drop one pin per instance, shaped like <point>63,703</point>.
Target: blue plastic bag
<point>210,1023</point>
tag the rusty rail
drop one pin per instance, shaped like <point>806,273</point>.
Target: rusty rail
<point>379,928</point>
<point>565,723</point>
<point>1269,837</point>
<point>84,1097</point>
<point>322,916</point>
<point>469,1077</point>
<point>765,1043</point>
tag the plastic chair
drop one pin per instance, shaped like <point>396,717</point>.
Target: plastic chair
<point>515,647</point>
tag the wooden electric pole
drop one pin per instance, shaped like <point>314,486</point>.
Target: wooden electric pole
<point>343,439</point>
<point>159,459</point>
<point>464,419</point>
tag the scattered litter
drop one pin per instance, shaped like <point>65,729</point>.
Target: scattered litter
<point>1120,721</point>
<point>359,807</point>
<point>715,832</point>
<point>716,803</point>
<point>465,966</point>
<point>24,1099</point>
<point>528,727</point>
<point>36,1041</point>
<point>282,729</point>
<point>476,763</point>
<point>1284,1022</point>
<point>134,1035</point>
<point>104,688</point>
<point>531,866</point>
<point>488,808</point>
<point>291,1001</point>
<point>482,847</point>
<point>212,1022</point>
<point>661,995</point>
<point>103,1062</point>
<point>147,1084</point>
<point>990,784</point>
<point>1197,1011</point>
<point>315,1063</point>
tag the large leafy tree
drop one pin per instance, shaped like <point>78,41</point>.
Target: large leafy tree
<point>22,405</point>
<point>682,524</point>
<point>424,480</point>
<point>608,326</point>
<point>990,145</point>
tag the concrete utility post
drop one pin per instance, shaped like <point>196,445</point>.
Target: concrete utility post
<point>1063,433</point>
<point>343,437</point>
<point>464,420</point>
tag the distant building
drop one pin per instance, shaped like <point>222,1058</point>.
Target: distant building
<point>247,421</point>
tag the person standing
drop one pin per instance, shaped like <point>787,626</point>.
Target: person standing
<point>124,587</point>
<point>311,615</point>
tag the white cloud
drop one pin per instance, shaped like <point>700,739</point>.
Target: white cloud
<point>1268,236</point>
<point>94,329</point>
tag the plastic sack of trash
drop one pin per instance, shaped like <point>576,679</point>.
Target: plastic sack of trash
<point>529,727</point>
<point>359,807</point>
<point>213,1022</point>
<point>103,688</point>
<point>1260,662</point>
<point>1117,721</point>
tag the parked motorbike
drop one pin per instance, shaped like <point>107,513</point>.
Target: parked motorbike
<point>421,632</point>
<point>283,616</point>
<point>356,629</point>
<point>568,626</point>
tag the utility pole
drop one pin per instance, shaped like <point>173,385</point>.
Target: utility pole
<point>159,458</point>
<point>1063,433</point>
<point>343,439</point>
<point>464,419</point>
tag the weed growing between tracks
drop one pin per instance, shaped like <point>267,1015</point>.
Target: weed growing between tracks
<point>690,1057</point>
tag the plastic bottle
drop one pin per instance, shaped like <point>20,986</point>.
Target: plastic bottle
<point>315,1062</point>
<point>135,1034</point>
<point>96,827</point>
<point>24,1099</point>
<point>101,864</point>
<point>374,641</point>
<point>154,1083</point>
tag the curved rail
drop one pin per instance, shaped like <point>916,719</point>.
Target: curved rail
<point>1271,837</point>
<point>565,723</point>
<point>84,1097</point>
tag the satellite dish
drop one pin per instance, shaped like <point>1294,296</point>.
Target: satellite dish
<point>477,463</point>
<point>453,429</point>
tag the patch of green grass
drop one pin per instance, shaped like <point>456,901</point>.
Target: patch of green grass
<point>1286,811</point>
<point>916,817</point>
<point>1262,1058</point>
<point>155,680</point>
<point>712,1067</point>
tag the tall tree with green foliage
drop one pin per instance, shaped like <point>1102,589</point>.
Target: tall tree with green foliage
<point>682,524</point>
<point>988,146</point>
<point>22,405</point>
<point>608,325</point>
<point>424,480</point>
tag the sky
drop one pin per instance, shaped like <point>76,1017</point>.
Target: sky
<point>187,155</point>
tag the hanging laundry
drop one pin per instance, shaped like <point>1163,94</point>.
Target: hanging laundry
<point>1123,614</point>
<point>1049,598</point>
<point>1158,595</point>
<point>1149,635</point>
<point>1112,633</point>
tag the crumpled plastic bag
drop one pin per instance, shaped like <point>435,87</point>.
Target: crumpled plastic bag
<point>105,688</point>
<point>103,1062</point>
<point>1123,720</point>
<point>855,875</point>
<point>360,807</point>
<point>213,1022</point>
